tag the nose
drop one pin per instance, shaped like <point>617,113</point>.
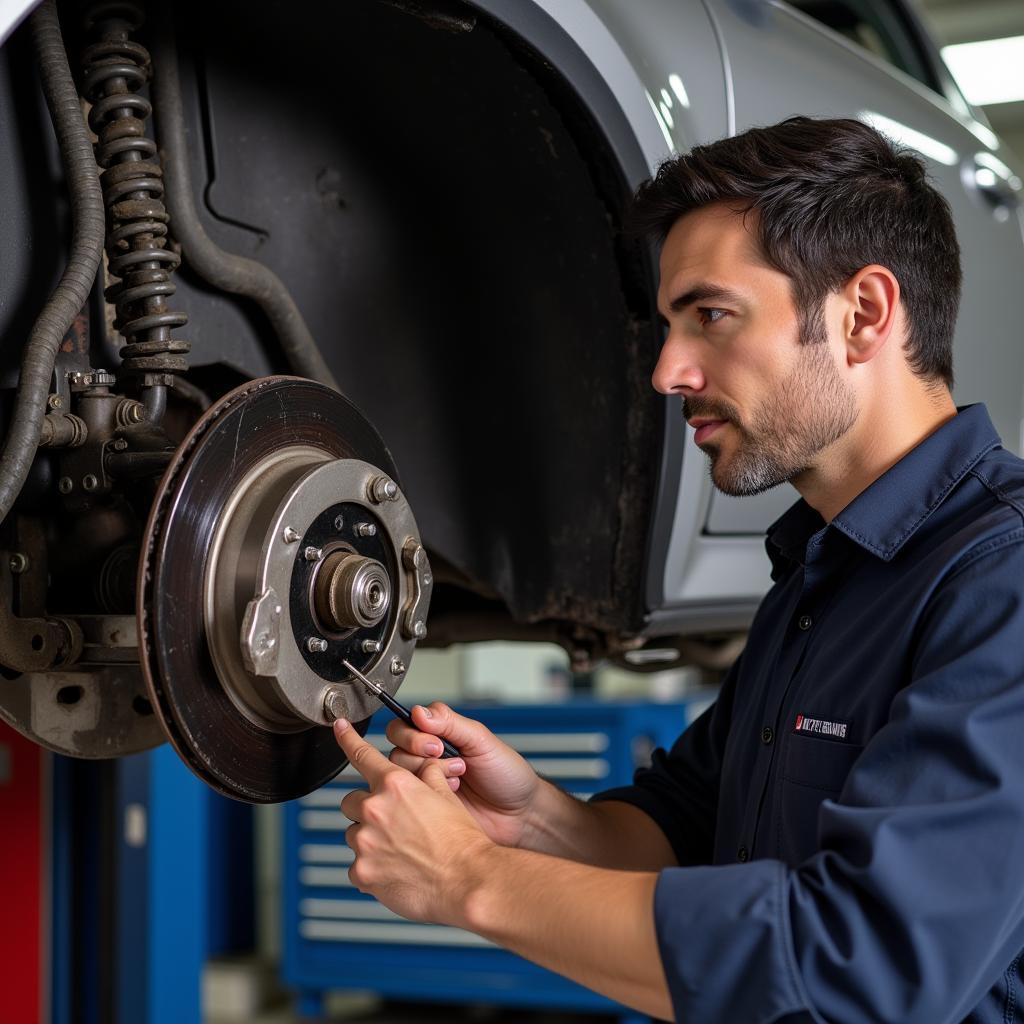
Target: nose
<point>677,371</point>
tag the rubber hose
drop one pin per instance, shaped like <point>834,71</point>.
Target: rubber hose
<point>71,294</point>
<point>224,270</point>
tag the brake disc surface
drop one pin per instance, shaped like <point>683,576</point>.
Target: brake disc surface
<point>266,560</point>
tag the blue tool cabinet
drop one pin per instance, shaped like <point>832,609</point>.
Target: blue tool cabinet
<point>338,938</point>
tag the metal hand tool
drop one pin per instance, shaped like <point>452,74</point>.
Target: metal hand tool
<point>395,706</point>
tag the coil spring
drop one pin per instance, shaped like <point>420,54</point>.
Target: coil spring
<point>115,68</point>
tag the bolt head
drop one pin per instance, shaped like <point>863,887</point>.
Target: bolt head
<point>18,562</point>
<point>65,485</point>
<point>397,667</point>
<point>312,554</point>
<point>366,530</point>
<point>334,704</point>
<point>120,444</point>
<point>339,522</point>
<point>372,646</point>
<point>383,489</point>
<point>289,535</point>
<point>419,629</point>
<point>89,482</point>
<point>316,645</point>
<point>55,401</point>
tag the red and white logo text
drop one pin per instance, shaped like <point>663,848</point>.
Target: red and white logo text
<point>820,727</point>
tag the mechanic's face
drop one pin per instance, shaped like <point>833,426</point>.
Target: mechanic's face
<point>764,395</point>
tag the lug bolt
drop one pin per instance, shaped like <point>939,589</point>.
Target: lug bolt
<point>334,705</point>
<point>383,489</point>
<point>89,482</point>
<point>419,629</point>
<point>372,646</point>
<point>289,535</point>
<point>339,522</point>
<point>18,563</point>
<point>397,667</point>
<point>65,485</point>
<point>366,530</point>
<point>55,401</point>
<point>316,645</point>
<point>312,554</point>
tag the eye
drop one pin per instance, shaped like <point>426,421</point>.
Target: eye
<point>710,315</point>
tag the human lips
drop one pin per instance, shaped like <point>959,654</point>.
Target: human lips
<point>704,427</point>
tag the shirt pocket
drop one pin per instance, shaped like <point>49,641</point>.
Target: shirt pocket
<point>813,770</point>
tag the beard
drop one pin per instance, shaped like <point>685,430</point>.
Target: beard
<point>810,410</point>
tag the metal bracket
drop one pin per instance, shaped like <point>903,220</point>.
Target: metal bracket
<point>421,582</point>
<point>261,633</point>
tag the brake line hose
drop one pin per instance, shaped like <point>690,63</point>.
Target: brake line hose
<point>87,231</point>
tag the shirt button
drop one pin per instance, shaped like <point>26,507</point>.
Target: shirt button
<point>742,854</point>
<point>767,734</point>
<point>805,622</point>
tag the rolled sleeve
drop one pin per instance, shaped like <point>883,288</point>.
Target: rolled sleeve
<point>723,934</point>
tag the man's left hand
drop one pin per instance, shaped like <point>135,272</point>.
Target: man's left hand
<point>416,846</point>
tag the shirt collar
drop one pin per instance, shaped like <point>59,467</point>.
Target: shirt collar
<point>886,514</point>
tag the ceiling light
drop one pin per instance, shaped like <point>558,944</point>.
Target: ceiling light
<point>989,71</point>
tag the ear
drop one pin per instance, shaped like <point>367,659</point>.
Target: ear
<point>872,297</point>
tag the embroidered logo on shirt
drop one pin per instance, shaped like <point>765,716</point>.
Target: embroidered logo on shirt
<point>819,727</point>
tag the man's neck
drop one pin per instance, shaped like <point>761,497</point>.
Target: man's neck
<point>882,435</point>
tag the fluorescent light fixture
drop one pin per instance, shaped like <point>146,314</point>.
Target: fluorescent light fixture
<point>989,71</point>
<point>911,138</point>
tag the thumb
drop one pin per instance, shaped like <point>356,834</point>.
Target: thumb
<point>470,736</point>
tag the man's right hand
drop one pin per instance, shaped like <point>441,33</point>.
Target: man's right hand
<point>494,782</point>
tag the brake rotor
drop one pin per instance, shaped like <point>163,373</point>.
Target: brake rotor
<point>278,545</point>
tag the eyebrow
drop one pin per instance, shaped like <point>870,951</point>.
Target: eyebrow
<point>703,292</point>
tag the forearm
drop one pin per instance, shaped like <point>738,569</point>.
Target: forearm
<point>593,925</point>
<point>609,834</point>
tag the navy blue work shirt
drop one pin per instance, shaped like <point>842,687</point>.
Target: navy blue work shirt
<point>849,815</point>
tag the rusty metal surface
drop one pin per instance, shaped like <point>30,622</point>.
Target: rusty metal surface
<point>219,744</point>
<point>98,714</point>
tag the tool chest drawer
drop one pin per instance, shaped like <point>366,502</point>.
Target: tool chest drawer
<point>335,937</point>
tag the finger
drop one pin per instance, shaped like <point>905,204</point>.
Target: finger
<point>470,736</point>
<point>352,804</point>
<point>363,756</point>
<point>434,776</point>
<point>411,763</point>
<point>412,740</point>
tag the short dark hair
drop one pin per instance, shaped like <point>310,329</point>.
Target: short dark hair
<point>831,196</point>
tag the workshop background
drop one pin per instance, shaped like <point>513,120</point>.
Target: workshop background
<point>173,904</point>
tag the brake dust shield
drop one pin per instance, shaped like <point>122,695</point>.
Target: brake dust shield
<point>278,545</point>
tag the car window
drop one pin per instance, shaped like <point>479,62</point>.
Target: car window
<point>877,26</point>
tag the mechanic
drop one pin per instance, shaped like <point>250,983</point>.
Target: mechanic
<point>841,836</point>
